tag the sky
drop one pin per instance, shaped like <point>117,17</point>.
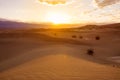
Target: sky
<point>75,11</point>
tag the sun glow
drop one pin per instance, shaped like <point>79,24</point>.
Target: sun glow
<point>58,18</point>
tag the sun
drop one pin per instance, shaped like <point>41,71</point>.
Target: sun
<point>58,18</point>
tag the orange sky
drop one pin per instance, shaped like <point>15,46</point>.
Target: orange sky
<point>66,11</point>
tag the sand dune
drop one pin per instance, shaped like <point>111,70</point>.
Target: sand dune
<point>56,57</point>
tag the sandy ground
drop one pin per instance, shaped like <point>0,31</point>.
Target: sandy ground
<point>60,58</point>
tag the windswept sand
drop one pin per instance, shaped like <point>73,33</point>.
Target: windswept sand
<point>47,58</point>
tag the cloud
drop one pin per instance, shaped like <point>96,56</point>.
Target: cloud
<point>54,2</point>
<point>104,3</point>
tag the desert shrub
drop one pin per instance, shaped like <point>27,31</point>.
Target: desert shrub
<point>80,37</point>
<point>90,52</point>
<point>55,34</point>
<point>74,36</point>
<point>113,65</point>
<point>97,37</point>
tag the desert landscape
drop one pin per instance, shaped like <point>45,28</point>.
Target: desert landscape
<point>59,39</point>
<point>87,53</point>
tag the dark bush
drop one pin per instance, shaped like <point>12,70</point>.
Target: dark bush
<point>55,34</point>
<point>90,52</point>
<point>74,36</point>
<point>97,37</point>
<point>80,37</point>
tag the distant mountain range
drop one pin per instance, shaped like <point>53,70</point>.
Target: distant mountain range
<point>8,24</point>
<point>114,25</point>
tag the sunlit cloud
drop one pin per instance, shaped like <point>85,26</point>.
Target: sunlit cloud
<point>55,2</point>
<point>104,3</point>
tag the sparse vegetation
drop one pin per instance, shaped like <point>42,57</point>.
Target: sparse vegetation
<point>74,36</point>
<point>80,37</point>
<point>97,37</point>
<point>90,52</point>
<point>55,34</point>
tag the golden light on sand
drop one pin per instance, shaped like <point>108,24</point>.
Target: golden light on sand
<point>58,18</point>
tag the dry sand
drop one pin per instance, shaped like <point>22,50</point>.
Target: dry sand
<point>60,58</point>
